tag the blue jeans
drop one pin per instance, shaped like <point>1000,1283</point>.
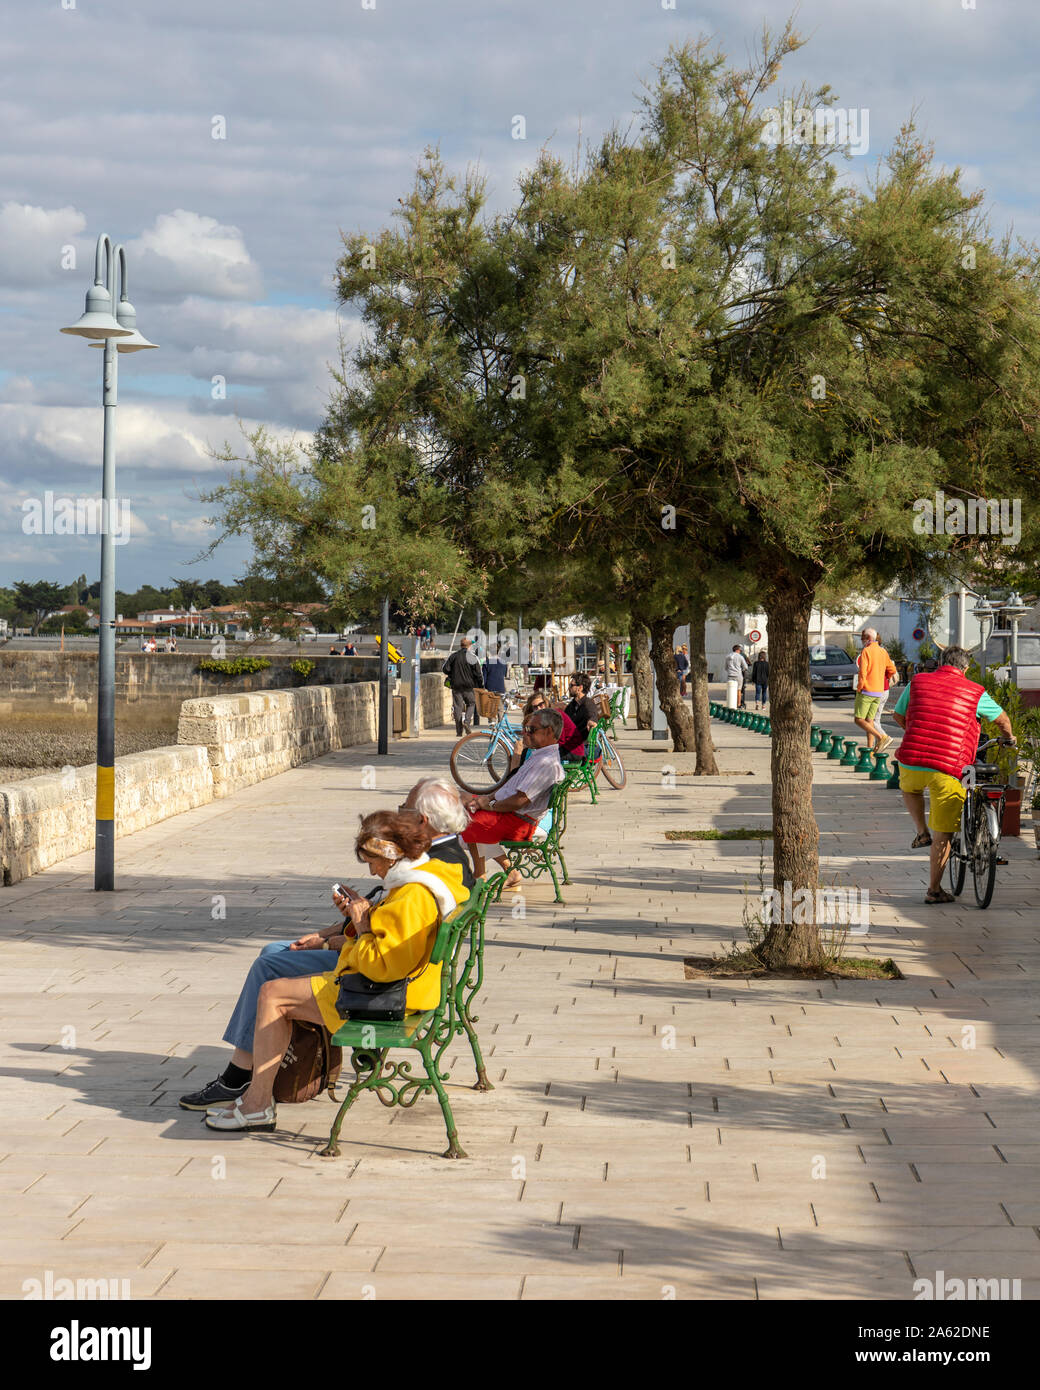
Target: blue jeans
<point>275,962</point>
<point>760,694</point>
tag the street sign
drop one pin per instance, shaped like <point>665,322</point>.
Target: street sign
<point>754,635</point>
<point>918,634</point>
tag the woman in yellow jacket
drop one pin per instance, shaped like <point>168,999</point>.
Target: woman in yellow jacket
<point>390,942</point>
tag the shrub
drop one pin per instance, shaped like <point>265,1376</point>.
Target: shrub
<point>302,667</point>
<point>240,666</point>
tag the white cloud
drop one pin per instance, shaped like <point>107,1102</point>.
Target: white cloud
<point>186,252</point>
<point>32,241</point>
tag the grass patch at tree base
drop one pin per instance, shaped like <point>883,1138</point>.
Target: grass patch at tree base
<point>743,833</point>
<point>745,965</point>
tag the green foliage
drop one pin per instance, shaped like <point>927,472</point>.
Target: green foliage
<point>897,651</point>
<point>73,623</point>
<point>302,667</point>
<point>38,599</point>
<point>239,666</point>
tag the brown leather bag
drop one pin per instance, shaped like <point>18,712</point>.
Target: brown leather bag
<point>311,1064</point>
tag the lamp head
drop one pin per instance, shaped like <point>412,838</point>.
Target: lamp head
<point>97,320</point>
<point>126,316</point>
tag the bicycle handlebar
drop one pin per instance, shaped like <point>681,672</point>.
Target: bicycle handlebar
<point>1002,741</point>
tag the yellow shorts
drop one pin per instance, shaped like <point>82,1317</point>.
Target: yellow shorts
<point>945,796</point>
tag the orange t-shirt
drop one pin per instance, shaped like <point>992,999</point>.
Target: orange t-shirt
<point>875,667</point>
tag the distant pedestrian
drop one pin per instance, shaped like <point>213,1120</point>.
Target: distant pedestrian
<point>876,671</point>
<point>735,669</point>
<point>682,666</point>
<point>760,676</point>
<point>463,671</point>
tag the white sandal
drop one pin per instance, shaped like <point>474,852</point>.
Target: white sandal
<point>263,1120</point>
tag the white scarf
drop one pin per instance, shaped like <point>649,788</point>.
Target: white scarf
<point>409,871</point>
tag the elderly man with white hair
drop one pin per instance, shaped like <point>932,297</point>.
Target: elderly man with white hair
<point>437,803</point>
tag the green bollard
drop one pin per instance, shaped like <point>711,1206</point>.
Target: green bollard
<point>823,737</point>
<point>879,772</point>
<point>893,781</point>
<point>865,762</point>
<point>769,726</point>
<point>849,760</point>
<point>814,737</point>
<point>834,752</point>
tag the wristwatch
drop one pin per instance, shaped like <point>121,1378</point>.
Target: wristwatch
<point>491,804</point>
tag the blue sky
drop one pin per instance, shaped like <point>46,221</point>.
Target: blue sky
<point>327,106</point>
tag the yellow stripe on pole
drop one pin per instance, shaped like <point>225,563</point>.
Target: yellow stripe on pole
<point>105,805</point>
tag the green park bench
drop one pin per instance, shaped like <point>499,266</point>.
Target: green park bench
<point>532,858</point>
<point>582,772</point>
<point>428,1032</point>
<point>470,976</point>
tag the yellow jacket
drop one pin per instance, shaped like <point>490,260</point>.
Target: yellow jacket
<point>404,929</point>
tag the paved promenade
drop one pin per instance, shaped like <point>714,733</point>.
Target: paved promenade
<point>647,1137</point>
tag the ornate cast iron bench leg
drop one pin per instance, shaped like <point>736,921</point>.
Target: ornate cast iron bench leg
<point>360,1082</point>
<point>453,1150</point>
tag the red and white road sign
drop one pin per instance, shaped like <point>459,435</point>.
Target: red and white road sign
<point>754,635</point>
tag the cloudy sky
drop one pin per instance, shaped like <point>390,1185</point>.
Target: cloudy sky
<point>108,113</point>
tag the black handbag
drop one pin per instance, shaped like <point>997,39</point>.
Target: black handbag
<point>378,1001</point>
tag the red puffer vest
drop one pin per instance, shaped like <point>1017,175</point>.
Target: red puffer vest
<point>941,728</point>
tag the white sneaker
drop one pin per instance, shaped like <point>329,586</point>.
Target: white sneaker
<point>886,740</point>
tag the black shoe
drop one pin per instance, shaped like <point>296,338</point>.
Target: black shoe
<point>212,1094</point>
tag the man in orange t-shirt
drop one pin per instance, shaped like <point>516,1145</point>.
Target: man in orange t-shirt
<point>876,669</point>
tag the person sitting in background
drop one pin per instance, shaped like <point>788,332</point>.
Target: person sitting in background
<point>582,712</point>
<point>437,808</point>
<point>393,942</point>
<point>537,701</point>
<point>514,810</point>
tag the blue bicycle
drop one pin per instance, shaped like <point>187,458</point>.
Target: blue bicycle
<point>480,761</point>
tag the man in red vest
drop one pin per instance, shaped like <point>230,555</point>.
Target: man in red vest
<point>940,712</point>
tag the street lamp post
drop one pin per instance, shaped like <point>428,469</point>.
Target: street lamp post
<point>986,612</point>
<point>1015,610</point>
<point>112,334</point>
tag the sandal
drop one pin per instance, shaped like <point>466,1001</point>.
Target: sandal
<point>236,1119</point>
<point>939,896</point>
<point>922,840</point>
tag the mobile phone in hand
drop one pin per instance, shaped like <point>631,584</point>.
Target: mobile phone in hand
<point>343,890</point>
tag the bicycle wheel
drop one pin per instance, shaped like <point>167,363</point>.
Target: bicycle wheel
<point>610,764</point>
<point>984,854</point>
<point>479,762</point>
<point>956,866</point>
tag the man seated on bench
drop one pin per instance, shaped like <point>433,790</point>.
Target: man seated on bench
<point>438,806</point>
<point>513,812</point>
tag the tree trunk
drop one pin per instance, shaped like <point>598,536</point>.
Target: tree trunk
<point>642,674</point>
<point>706,764</point>
<point>796,836</point>
<point>674,707</point>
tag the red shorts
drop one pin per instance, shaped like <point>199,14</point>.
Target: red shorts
<point>492,827</point>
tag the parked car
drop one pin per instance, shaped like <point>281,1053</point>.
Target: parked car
<point>832,672</point>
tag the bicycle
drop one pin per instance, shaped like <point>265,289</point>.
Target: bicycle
<point>608,761</point>
<point>979,836</point>
<point>479,762</point>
